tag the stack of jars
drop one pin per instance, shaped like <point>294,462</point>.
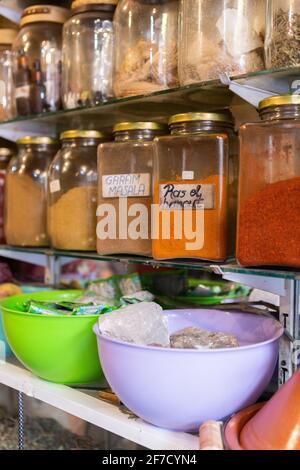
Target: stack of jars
<point>102,49</point>
<point>171,197</point>
<point>152,194</point>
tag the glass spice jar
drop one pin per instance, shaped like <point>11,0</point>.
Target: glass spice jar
<point>72,191</point>
<point>25,192</point>
<point>282,33</point>
<point>38,60</point>
<point>7,95</point>
<point>88,41</point>
<point>220,37</point>
<point>146,46</point>
<point>195,188</point>
<point>125,169</point>
<point>269,194</point>
<point>6,155</point>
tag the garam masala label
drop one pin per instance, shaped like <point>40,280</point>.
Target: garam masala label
<point>127,185</point>
<point>187,196</point>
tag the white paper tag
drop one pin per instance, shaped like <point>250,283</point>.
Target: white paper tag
<point>187,196</point>
<point>54,186</point>
<point>128,185</point>
<point>188,175</point>
<point>22,92</point>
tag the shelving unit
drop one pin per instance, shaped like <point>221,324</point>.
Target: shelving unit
<point>86,405</point>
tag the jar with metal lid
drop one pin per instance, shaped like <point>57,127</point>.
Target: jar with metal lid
<point>218,37</point>
<point>195,188</point>
<point>38,60</point>
<point>72,193</point>
<point>88,41</point>
<point>146,46</point>
<point>125,189</point>
<point>25,193</point>
<point>6,155</point>
<point>269,194</point>
<point>282,33</point>
<point>7,95</point>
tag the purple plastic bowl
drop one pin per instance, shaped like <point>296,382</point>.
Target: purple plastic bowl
<point>180,389</point>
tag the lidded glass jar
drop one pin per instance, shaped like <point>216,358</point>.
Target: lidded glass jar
<point>269,194</point>
<point>88,41</point>
<point>38,59</point>
<point>195,188</point>
<point>282,33</point>
<point>125,169</point>
<point>146,46</point>
<point>6,155</point>
<point>72,193</point>
<point>7,96</point>
<point>220,37</point>
<point>25,193</point>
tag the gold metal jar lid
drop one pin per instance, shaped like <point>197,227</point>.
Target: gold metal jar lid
<point>7,36</point>
<point>47,13</point>
<point>81,3</point>
<point>190,117</point>
<point>139,126</point>
<point>80,134</point>
<point>279,100</point>
<point>33,140</point>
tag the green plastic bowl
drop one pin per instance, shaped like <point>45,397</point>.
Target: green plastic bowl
<point>58,349</point>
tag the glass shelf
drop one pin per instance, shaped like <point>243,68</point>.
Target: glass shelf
<point>194,265</point>
<point>205,96</point>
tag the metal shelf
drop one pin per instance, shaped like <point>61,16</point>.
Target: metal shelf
<point>95,411</point>
<point>39,256</point>
<point>205,96</point>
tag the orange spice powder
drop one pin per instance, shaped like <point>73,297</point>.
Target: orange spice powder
<point>215,246</point>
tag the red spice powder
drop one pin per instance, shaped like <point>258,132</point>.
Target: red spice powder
<point>269,226</point>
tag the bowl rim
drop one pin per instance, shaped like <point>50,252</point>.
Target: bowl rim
<point>275,337</point>
<point>8,310</point>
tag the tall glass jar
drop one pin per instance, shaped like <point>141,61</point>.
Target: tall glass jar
<point>38,60</point>
<point>282,33</point>
<point>269,195</point>
<point>125,169</point>
<point>6,155</point>
<point>146,46</point>
<point>195,188</point>
<point>25,193</point>
<point>220,37</point>
<point>88,53</point>
<point>72,191</point>
<point>7,96</point>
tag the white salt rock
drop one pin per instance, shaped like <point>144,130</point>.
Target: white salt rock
<point>143,323</point>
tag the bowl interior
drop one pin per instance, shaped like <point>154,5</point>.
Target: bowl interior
<point>249,329</point>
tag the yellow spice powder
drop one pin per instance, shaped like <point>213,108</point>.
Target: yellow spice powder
<point>26,211</point>
<point>72,220</point>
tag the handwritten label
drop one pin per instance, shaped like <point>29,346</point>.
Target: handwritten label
<point>187,196</point>
<point>22,92</point>
<point>54,186</point>
<point>129,185</point>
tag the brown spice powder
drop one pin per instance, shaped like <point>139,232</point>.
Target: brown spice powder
<point>128,246</point>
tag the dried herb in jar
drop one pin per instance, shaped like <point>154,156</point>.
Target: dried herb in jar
<point>284,47</point>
